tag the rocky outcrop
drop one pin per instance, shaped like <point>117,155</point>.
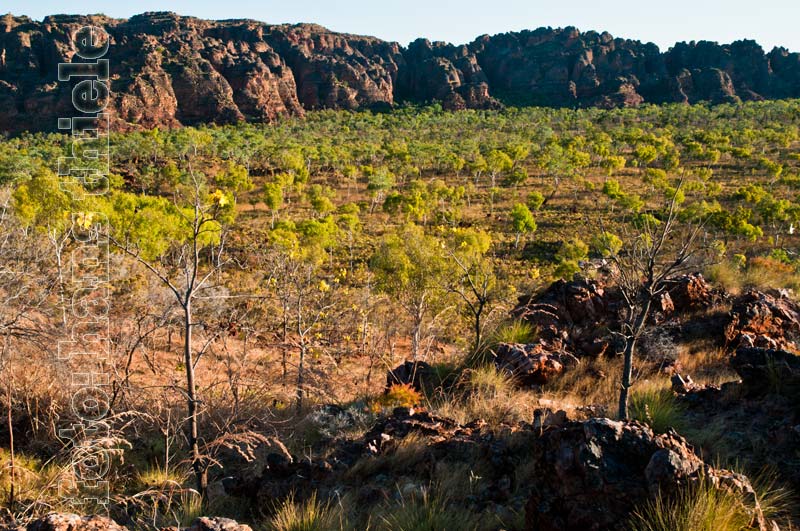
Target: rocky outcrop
<point>691,293</point>
<point>579,474</point>
<point>532,364</point>
<point>762,406</point>
<point>766,320</point>
<point>768,370</point>
<point>73,522</point>
<point>574,316</point>
<point>593,473</point>
<point>413,373</point>
<point>446,73</point>
<point>168,70</point>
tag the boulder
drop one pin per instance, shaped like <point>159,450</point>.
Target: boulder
<point>691,292</point>
<point>205,523</point>
<point>767,370</point>
<point>531,364</point>
<point>73,522</point>
<point>413,373</point>
<point>767,320</point>
<point>592,474</point>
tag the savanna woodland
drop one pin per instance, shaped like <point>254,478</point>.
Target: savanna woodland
<point>418,319</point>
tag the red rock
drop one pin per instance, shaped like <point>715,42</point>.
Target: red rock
<point>592,474</point>
<point>73,522</point>
<point>531,364</point>
<point>764,320</point>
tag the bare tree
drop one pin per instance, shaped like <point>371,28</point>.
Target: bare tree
<point>474,283</point>
<point>644,269</point>
<point>25,287</point>
<point>307,301</point>
<point>186,270</point>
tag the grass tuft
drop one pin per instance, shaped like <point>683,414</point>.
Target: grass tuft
<point>657,406</point>
<point>698,508</point>
<point>311,515</point>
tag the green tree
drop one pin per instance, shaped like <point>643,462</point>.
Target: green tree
<point>522,221</point>
<point>408,266</point>
<point>272,196</point>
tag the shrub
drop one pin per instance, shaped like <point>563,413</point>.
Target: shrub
<point>535,200</point>
<point>400,395</point>
<point>606,244</point>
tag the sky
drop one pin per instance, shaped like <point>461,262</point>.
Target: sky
<point>770,22</point>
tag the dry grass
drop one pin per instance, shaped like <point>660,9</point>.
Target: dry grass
<point>488,394</point>
<point>698,508</point>
<point>654,403</point>
<point>760,273</point>
<point>311,515</point>
<point>593,383</point>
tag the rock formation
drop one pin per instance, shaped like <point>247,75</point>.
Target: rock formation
<point>766,320</point>
<point>168,70</point>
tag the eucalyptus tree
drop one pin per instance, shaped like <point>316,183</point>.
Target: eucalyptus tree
<point>181,243</point>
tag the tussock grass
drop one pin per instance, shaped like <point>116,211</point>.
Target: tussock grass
<point>515,331</point>
<point>654,403</point>
<point>592,383</point>
<point>488,394</point>
<point>407,453</point>
<point>760,273</point>
<point>311,515</point>
<point>426,513</point>
<point>697,508</point>
<point>160,477</point>
<point>35,482</point>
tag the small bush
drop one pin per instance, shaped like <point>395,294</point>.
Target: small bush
<point>400,395</point>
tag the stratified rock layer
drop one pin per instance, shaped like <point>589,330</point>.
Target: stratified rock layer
<point>169,70</point>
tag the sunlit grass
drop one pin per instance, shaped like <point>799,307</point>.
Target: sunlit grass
<point>698,508</point>
<point>654,403</point>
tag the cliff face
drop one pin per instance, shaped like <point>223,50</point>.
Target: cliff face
<point>169,71</point>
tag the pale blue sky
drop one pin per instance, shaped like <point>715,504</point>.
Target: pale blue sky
<point>770,22</point>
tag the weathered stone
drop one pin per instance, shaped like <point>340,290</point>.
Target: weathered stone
<point>205,523</point>
<point>413,373</point>
<point>765,320</point>
<point>531,364</point>
<point>592,474</point>
<point>73,522</point>
<point>767,370</point>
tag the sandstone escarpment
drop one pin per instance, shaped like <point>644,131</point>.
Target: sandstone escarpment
<point>168,70</point>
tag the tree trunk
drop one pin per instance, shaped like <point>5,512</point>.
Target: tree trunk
<point>477,325</point>
<point>12,471</point>
<point>300,369</point>
<point>630,350</point>
<point>416,336</point>
<point>191,394</point>
<point>627,372</point>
